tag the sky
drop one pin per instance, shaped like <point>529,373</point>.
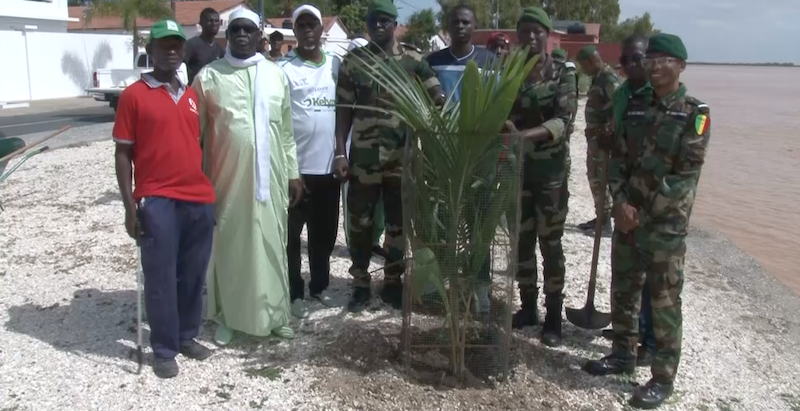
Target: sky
<point>736,31</point>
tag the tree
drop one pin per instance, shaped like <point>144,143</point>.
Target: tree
<point>604,12</point>
<point>633,25</point>
<point>421,27</point>
<point>128,11</point>
<point>353,16</point>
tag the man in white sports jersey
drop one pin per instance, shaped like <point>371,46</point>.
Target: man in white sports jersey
<point>312,75</point>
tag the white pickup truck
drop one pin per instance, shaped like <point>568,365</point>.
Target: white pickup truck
<point>109,83</point>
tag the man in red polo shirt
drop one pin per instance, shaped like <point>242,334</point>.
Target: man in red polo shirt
<point>156,130</point>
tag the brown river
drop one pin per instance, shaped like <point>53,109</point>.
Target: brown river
<point>750,185</point>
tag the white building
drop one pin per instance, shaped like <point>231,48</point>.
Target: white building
<point>34,15</point>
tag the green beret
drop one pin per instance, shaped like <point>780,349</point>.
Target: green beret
<point>586,52</point>
<point>668,44</point>
<point>536,15</point>
<point>382,6</point>
<point>560,53</point>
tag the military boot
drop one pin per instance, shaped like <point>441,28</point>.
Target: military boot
<point>527,314</point>
<point>610,364</point>
<point>651,395</point>
<point>551,330</point>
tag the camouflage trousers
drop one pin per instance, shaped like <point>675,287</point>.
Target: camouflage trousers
<point>377,222</point>
<point>654,260</point>
<point>543,212</point>
<point>594,171</point>
<point>362,200</point>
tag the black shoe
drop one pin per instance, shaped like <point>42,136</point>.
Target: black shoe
<point>165,367</point>
<point>392,294</point>
<point>608,334</point>
<point>528,315</point>
<point>192,349</point>
<point>380,252</point>
<point>644,357</point>
<point>610,364</point>
<point>358,300</point>
<point>551,329</point>
<point>589,225</point>
<point>651,395</point>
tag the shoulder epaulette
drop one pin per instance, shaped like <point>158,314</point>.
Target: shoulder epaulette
<point>701,107</point>
<point>411,47</point>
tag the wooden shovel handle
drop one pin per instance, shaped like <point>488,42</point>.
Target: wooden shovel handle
<point>598,228</point>
<point>28,147</point>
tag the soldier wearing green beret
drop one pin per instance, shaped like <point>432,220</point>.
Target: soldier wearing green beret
<point>375,164</point>
<point>540,119</point>
<point>599,118</point>
<point>654,187</point>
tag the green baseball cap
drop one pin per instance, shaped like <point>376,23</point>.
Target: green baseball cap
<point>165,28</point>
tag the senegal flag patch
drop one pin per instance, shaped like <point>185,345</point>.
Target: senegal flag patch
<point>701,124</point>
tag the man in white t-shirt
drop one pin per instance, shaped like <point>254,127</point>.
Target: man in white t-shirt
<point>312,76</point>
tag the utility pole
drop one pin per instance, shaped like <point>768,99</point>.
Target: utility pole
<point>261,14</point>
<point>172,6</point>
<point>497,15</point>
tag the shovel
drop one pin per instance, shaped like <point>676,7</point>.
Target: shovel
<point>588,317</point>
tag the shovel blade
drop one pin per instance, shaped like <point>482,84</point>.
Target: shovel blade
<point>588,318</point>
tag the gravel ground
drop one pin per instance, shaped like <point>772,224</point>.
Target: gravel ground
<point>67,308</point>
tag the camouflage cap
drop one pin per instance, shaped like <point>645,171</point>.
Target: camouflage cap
<point>668,44</point>
<point>536,15</point>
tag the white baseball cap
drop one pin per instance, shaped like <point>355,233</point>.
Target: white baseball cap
<point>306,9</point>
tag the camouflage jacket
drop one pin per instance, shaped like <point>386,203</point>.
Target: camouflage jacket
<point>657,156</point>
<point>548,98</point>
<point>599,103</point>
<point>379,138</point>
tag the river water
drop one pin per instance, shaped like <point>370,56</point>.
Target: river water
<point>750,185</point>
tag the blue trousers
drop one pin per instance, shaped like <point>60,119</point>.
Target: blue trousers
<point>175,243</point>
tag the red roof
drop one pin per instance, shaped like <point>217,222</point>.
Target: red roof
<point>187,13</point>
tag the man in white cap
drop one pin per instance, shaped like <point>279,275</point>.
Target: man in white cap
<point>312,75</point>
<point>250,157</point>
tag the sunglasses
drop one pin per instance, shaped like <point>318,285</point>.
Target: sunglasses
<point>634,58</point>
<point>383,21</point>
<point>247,28</point>
<point>650,63</point>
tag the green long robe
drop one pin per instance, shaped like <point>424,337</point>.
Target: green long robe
<point>248,287</point>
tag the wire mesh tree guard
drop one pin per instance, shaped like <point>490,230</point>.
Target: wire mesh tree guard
<point>461,245</point>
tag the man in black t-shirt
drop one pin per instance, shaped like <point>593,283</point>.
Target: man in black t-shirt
<point>202,49</point>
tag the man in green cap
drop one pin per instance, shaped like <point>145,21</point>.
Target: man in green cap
<point>376,152</point>
<point>654,187</point>
<point>540,118</point>
<point>170,212</point>
<point>599,129</point>
<point>630,101</point>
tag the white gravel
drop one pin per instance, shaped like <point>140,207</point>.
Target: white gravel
<point>67,308</point>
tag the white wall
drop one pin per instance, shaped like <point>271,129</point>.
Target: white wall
<point>60,64</point>
<point>47,15</point>
<point>13,71</point>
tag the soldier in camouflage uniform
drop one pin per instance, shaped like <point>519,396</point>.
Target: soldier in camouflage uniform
<point>376,153</point>
<point>654,180</point>
<point>599,118</point>
<point>539,119</point>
